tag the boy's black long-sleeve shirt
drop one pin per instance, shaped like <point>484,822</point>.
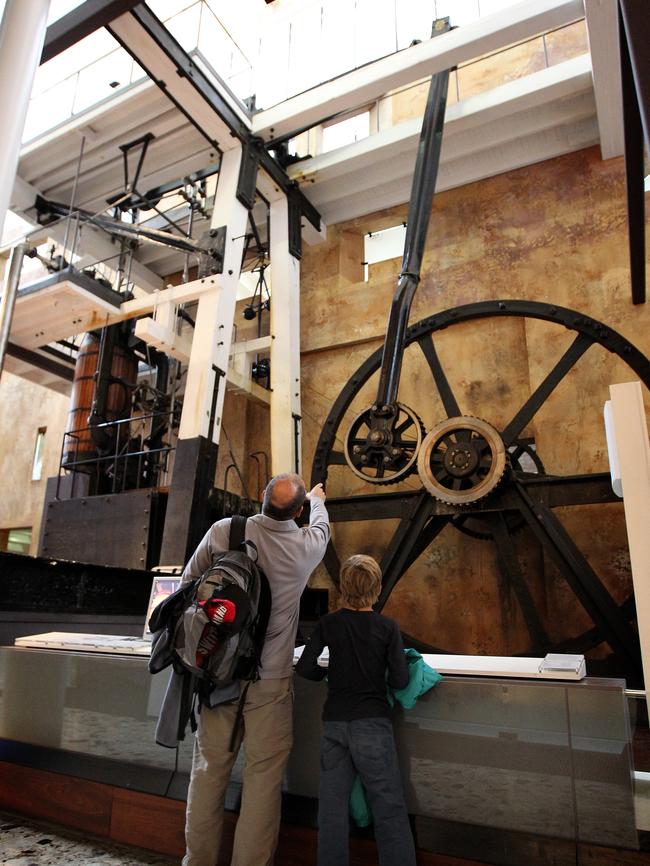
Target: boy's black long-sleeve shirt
<point>363,646</point>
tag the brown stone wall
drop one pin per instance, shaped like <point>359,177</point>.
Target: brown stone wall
<point>553,232</point>
<point>26,407</point>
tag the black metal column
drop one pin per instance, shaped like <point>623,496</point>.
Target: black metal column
<point>634,34</point>
<point>188,509</point>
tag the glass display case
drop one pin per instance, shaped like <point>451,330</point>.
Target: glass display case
<point>492,768</point>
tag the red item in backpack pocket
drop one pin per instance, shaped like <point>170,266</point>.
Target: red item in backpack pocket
<point>219,610</point>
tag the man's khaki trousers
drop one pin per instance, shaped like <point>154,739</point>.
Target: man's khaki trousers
<point>268,734</point>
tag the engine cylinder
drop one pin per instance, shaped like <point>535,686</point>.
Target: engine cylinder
<point>79,444</point>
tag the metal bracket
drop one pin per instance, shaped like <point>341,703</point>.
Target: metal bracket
<point>217,247</point>
<point>247,181</point>
<point>218,376</point>
<point>294,200</point>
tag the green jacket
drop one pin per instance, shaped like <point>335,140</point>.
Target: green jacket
<point>422,677</point>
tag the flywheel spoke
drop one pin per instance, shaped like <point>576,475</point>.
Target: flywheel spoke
<point>539,396</point>
<point>332,563</point>
<point>409,422</point>
<point>444,389</point>
<point>581,578</point>
<point>396,558</point>
<point>512,574</point>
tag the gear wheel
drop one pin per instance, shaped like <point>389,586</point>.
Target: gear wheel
<point>383,448</point>
<point>461,460</point>
<point>523,459</point>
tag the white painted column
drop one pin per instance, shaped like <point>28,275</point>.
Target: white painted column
<point>285,344</point>
<point>21,42</point>
<point>631,435</point>
<point>215,315</point>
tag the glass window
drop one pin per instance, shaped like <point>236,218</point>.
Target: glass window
<point>305,43</point>
<point>383,245</point>
<point>337,46</point>
<point>374,30</point>
<point>100,79</point>
<point>14,228</point>
<point>346,131</point>
<point>19,540</point>
<point>414,21</point>
<point>37,465</point>
<point>59,8</point>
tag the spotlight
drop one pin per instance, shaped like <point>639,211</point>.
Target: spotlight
<point>249,312</point>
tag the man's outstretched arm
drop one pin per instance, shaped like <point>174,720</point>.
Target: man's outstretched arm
<point>319,521</point>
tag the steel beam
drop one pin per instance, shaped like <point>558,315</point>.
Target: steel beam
<point>63,371</point>
<point>214,111</point>
<point>555,492</point>
<point>81,22</point>
<point>634,33</point>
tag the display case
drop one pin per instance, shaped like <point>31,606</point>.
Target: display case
<point>494,769</point>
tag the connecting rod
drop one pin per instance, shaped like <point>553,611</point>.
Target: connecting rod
<point>422,190</point>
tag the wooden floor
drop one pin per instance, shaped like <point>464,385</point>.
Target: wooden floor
<point>119,816</point>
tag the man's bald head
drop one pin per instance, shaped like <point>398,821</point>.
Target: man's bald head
<point>284,496</point>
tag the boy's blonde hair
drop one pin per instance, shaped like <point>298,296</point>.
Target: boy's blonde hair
<point>360,581</point>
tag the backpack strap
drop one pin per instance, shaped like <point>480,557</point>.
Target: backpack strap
<point>238,718</point>
<point>237,532</point>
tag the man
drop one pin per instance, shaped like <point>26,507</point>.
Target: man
<point>288,555</point>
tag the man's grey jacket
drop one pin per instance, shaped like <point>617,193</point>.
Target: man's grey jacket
<point>287,554</point>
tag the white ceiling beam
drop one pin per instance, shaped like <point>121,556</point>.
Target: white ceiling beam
<point>464,145</point>
<point>80,123</point>
<point>499,159</point>
<point>602,30</point>
<point>162,69</point>
<point>104,153</point>
<point>369,82</point>
<point>514,108</point>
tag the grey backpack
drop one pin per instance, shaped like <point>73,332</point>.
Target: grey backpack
<point>220,635</point>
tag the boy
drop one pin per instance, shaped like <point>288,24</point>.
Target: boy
<point>357,729</point>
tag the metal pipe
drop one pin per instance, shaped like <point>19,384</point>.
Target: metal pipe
<point>190,222</point>
<point>8,300</point>
<point>73,199</point>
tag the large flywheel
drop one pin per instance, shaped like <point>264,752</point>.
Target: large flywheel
<point>484,479</point>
